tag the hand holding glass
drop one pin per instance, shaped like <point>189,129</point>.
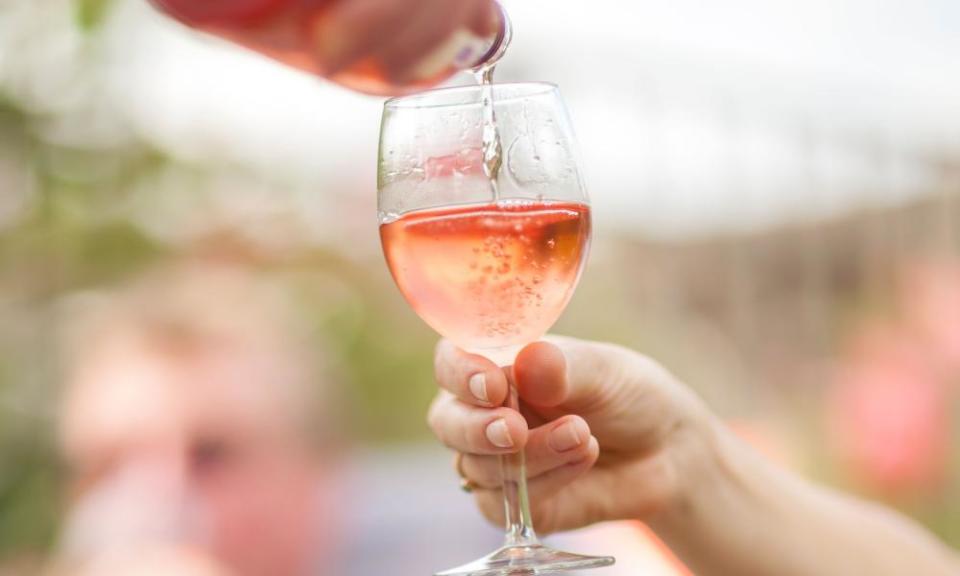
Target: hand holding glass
<point>489,267</point>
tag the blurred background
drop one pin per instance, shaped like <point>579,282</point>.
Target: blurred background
<point>777,192</point>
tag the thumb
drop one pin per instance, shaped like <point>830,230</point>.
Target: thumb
<point>630,402</point>
<point>568,374</point>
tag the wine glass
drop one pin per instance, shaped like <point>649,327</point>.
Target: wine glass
<point>489,263</point>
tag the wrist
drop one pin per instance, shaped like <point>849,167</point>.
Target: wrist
<point>707,465</point>
<point>705,461</point>
<point>725,502</point>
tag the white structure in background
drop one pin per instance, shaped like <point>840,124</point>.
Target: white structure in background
<point>694,116</point>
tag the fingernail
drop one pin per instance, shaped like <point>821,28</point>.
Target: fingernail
<point>499,435</point>
<point>478,387</point>
<point>566,437</point>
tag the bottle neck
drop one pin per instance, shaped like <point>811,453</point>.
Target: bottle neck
<point>500,43</point>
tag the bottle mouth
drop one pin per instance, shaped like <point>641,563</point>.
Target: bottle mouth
<point>500,43</point>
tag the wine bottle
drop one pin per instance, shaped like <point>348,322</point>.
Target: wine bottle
<point>305,34</point>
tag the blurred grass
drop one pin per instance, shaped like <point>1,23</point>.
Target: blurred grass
<point>91,13</point>
<point>29,489</point>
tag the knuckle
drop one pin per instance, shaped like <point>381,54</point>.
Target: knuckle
<point>440,366</point>
<point>485,471</point>
<point>611,356</point>
<point>474,436</point>
<point>435,416</point>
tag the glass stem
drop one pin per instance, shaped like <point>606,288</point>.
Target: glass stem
<point>513,466</point>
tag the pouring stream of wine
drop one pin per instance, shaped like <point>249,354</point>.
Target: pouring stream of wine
<point>492,147</point>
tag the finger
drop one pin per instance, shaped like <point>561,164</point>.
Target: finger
<point>349,31</point>
<point>573,374</point>
<point>541,489</point>
<point>546,485</point>
<point>550,447</point>
<point>471,378</point>
<point>636,490</point>
<point>473,430</point>
<point>540,373</point>
<point>630,401</point>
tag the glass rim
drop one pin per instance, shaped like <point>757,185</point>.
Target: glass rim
<point>422,100</point>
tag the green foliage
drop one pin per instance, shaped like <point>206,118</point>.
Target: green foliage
<point>29,488</point>
<point>392,368</point>
<point>91,13</point>
<point>384,352</point>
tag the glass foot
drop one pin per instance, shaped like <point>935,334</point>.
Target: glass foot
<point>528,561</point>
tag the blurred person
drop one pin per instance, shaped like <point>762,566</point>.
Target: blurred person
<point>201,428</point>
<point>198,429</point>
<point>148,561</point>
<point>611,435</point>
